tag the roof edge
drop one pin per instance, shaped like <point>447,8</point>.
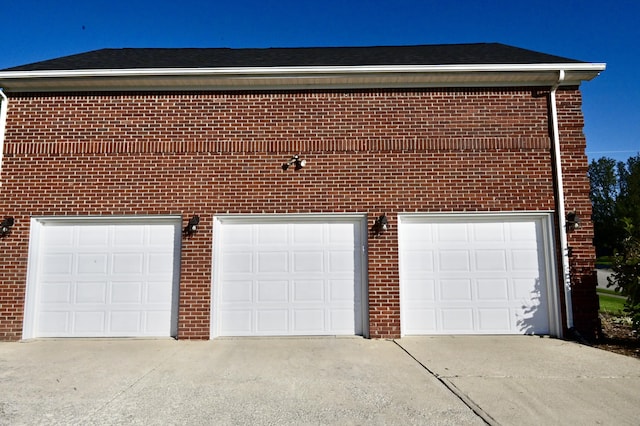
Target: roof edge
<point>263,78</point>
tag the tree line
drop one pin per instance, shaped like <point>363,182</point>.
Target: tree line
<point>615,197</point>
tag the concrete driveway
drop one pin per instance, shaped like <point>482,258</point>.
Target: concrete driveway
<point>426,380</point>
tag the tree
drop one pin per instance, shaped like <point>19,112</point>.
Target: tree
<point>615,196</point>
<point>626,273</point>
<point>628,200</point>
<point>603,176</point>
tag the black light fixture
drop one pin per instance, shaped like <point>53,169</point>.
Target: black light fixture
<point>380,225</point>
<point>573,221</point>
<point>5,226</point>
<point>192,226</point>
<point>296,162</point>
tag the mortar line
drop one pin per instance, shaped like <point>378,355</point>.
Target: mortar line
<point>466,400</point>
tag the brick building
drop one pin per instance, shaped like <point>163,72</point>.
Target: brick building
<point>379,191</point>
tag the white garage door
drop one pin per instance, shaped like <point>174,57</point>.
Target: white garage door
<point>475,275</point>
<point>97,279</point>
<point>287,276</point>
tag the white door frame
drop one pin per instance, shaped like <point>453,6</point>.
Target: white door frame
<point>359,219</point>
<point>544,218</point>
<point>36,224</point>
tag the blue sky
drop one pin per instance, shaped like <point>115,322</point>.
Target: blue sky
<point>587,30</point>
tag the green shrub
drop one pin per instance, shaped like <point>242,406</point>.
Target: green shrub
<point>626,273</point>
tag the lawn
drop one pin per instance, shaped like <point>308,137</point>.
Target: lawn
<point>611,304</point>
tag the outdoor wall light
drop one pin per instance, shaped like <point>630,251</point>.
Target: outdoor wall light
<point>5,226</point>
<point>296,162</point>
<point>380,225</point>
<point>573,221</point>
<point>192,226</point>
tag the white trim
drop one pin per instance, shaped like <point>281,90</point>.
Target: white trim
<point>4,105</point>
<point>264,78</point>
<point>355,218</point>
<point>287,217</point>
<point>282,71</point>
<point>36,224</point>
<point>545,219</point>
<point>107,219</point>
<point>445,216</point>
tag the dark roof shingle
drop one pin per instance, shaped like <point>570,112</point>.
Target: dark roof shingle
<point>156,58</point>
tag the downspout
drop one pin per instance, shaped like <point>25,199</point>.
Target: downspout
<point>4,103</point>
<point>562,222</point>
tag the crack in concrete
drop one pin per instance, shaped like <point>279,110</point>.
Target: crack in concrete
<point>466,400</point>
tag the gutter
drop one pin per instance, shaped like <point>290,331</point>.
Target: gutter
<point>4,104</point>
<point>301,77</point>
<point>562,222</point>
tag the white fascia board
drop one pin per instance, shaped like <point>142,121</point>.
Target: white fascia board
<point>261,78</point>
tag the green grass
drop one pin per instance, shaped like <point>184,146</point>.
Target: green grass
<point>608,291</point>
<point>610,304</point>
<point>604,262</point>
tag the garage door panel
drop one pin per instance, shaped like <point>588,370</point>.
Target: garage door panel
<point>127,263</point>
<point>524,231</point>
<point>237,263</point>
<point>425,320</point>
<point>57,264</point>
<point>276,261</point>
<point>308,261</point>
<point>488,232</point>
<point>90,292</point>
<point>457,320</point>
<point>308,321</point>
<point>494,319</point>
<point>271,291</point>
<point>51,322</point>
<point>159,292</point>
<point>452,232</point>
<point>342,234</point>
<point>55,292</point>
<point>454,260</point>
<point>487,273</point>
<point>525,260</point>
<point>155,319</point>
<point>304,271</point>
<point>308,291</point>
<point>341,261</point>
<point>493,289</point>
<point>125,322</point>
<point>90,236</point>
<point>272,234</point>
<point>160,263</point>
<point>491,260</point>
<point>419,290</point>
<point>238,321</point>
<point>88,323</point>
<point>342,291</point>
<point>339,317</point>
<point>307,234</point>
<point>92,263</point>
<point>237,291</point>
<point>111,276</point>
<point>126,293</point>
<point>271,320</point>
<point>454,290</point>
<point>127,236</point>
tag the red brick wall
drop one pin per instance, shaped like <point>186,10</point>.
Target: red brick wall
<point>212,153</point>
<point>576,192</point>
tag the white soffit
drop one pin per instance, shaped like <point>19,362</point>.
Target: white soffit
<point>284,78</point>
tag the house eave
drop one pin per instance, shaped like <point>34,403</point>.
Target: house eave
<point>296,78</point>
